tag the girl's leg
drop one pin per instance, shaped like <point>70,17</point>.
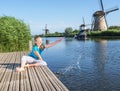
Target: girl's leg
<point>32,65</point>
<point>39,63</point>
<point>23,63</point>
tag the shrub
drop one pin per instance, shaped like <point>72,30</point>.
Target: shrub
<point>14,34</point>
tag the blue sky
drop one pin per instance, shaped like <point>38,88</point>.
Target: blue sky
<point>57,14</point>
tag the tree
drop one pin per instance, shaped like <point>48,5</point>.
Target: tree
<point>56,32</point>
<point>76,31</point>
<point>14,34</point>
<point>68,31</point>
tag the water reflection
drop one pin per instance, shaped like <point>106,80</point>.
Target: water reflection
<point>47,41</point>
<point>100,59</point>
<point>100,55</point>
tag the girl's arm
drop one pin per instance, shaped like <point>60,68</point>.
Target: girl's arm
<point>38,55</point>
<point>54,43</point>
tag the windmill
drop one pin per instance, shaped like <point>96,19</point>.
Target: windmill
<point>100,22</point>
<point>46,30</point>
<point>82,31</point>
<point>83,25</point>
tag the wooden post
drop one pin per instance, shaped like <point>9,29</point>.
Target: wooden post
<point>30,45</point>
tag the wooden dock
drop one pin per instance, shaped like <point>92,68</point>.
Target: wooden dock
<point>33,79</point>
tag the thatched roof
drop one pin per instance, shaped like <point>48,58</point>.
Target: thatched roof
<point>99,13</point>
<point>82,25</point>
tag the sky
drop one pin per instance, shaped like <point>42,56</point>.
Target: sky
<point>57,14</point>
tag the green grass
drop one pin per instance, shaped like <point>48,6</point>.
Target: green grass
<point>104,33</point>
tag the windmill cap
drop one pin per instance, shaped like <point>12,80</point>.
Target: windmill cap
<point>99,13</point>
<point>83,25</point>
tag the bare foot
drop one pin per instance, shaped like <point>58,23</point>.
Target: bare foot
<point>19,69</point>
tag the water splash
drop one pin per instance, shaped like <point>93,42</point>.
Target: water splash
<point>74,65</point>
<point>78,65</point>
<point>68,69</point>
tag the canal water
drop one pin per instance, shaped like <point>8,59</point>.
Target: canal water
<point>91,65</point>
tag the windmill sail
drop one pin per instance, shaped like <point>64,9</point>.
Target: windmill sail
<point>101,4</point>
<point>83,20</point>
<point>111,10</point>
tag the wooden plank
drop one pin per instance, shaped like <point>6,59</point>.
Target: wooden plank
<point>36,80</point>
<point>28,86</point>
<point>17,74</point>
<point>3,59</point>
<point>7,76</point>
<point>5,66</point>
<point>14,80</point>
<point>22,84</point>
<point>27,80</point>
<point>14,85</point>
<point>45,79</point>
<point>42,79</point>
<point>33,85</point>
<point>55,78</point>
<point>52,80</point>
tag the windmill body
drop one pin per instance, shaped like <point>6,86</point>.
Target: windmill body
<point>46,30</point>
<point>99,21</point>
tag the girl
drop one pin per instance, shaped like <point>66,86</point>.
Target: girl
<point>34,57</point>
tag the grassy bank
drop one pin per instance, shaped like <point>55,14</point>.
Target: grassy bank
<point>59,35</point>
<point>113,33</point>
<point>108,33</point>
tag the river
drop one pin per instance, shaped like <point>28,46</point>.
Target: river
<point>91,65</point>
